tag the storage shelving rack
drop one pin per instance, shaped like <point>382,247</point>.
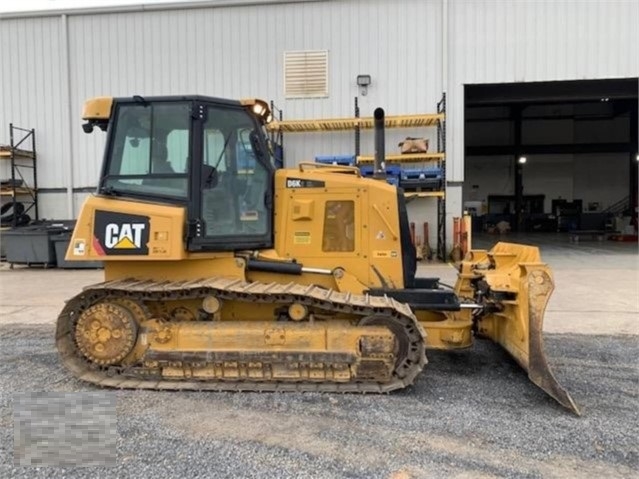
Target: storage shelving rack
<point>23,186</point>
<point>357,123</point>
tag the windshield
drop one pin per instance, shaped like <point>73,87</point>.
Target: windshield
<point>150,150</point>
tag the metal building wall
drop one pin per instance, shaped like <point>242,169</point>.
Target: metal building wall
<point>413,49</point>
<point>32,86</point>
<point>231,52</point>
<point>238,52</point>
<point>494,41</point>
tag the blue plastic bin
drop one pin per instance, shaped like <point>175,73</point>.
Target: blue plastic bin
<point>393,169</point>
<point>421,173</point>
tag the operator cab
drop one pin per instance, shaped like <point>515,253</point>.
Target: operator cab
<point>207,154</point>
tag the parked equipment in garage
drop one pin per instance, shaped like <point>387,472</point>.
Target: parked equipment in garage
<point>221,278</point>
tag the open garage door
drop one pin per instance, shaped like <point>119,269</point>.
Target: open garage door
<point>552,156</point>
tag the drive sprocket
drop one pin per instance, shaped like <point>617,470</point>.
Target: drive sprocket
<point>106,332</point>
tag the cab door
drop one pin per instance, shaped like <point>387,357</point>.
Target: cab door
<point>231,204</point>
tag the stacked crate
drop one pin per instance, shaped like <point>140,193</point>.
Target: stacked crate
<point>409,176</point>
<point>426,178</point>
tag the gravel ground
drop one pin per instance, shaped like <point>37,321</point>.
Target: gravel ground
<point>470,414</point>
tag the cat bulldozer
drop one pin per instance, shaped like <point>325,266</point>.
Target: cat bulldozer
<point>224,272</point>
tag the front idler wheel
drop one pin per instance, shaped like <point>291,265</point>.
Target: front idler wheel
<point>402,341</point>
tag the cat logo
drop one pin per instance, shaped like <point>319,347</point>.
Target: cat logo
<point>120,234</point>
<point>126,236</point>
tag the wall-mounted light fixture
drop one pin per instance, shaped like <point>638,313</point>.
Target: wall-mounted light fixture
<point>363,81</point>
<point>522,160</point>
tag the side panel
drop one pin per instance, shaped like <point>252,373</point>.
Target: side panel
<point>383,229</point>
<point>114,229</point>
<point>191,268</point>
<point>309,232</point>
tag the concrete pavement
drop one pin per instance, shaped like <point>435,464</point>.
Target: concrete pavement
<point>596,286</point>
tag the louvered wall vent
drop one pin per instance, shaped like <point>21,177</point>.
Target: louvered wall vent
<point>306,74</point>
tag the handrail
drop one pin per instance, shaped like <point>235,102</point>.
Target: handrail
<point>331,168</point>
<point>619,206</point>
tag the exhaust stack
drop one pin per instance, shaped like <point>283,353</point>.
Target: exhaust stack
<point>380,146</point>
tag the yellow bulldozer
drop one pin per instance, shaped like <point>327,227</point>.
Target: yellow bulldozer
<point>224,272</point>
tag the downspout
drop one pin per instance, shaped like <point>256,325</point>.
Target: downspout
<point>444,85</point>
<point>444,45</point>
<point>66,113</point>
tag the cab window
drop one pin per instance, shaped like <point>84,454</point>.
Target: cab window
<point>150,153</point>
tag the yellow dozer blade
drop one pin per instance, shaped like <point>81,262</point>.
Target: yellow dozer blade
<point>513,286</point>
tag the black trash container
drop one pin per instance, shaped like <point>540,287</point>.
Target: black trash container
<point>32,245</point>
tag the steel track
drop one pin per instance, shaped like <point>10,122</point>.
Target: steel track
<point>319,299</point>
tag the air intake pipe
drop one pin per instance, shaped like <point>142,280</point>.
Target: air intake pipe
<point>380,146</point>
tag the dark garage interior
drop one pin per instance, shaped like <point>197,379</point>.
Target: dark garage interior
<point>552,157</point>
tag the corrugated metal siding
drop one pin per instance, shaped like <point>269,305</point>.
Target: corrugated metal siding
<point>533,40</point>
<point>397,43</point>
<point>216,51</point>
<point>238,52</point>
<point>31,91</point>
<point>494,41</point>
